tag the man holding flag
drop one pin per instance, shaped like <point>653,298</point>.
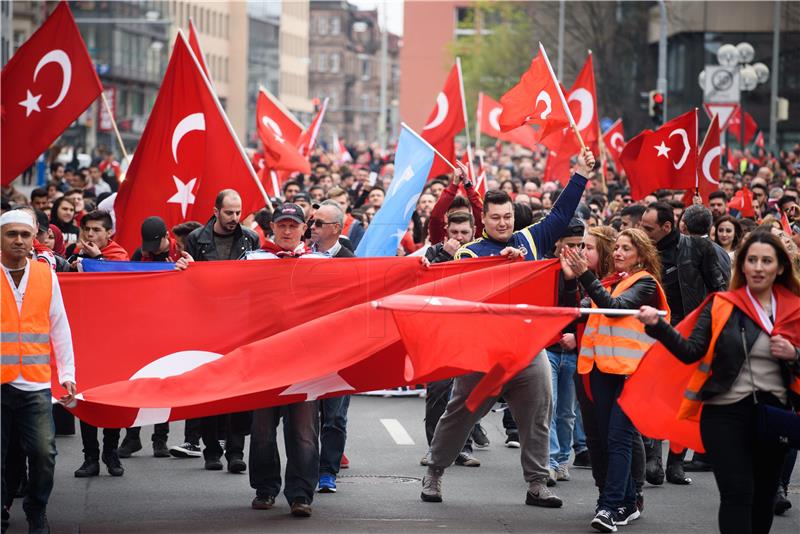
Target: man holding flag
<point>529,393</point>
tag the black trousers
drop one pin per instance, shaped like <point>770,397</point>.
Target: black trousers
<point>746,469</point>
<point>436,400</point>
<point>91,447</point>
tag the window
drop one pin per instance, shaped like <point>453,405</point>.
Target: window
<point>335,62</point>
<point>366,68</point>
<point>365,102</point>
<point>336,25</point>
<point>322,62</point>
<point>322,25</point>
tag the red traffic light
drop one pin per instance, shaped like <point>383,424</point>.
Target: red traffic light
<point>658,98</point>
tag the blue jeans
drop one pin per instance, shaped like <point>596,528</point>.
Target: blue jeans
<point>333,434</point>
<point>301,437</point>
<point>29,415</point>
<point>562,368</point>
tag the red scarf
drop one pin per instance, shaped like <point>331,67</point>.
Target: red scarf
<point>271,247</point>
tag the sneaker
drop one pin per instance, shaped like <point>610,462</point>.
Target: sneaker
<point>582,460</point>
<point>37,523</point>
<point>426,459</point>
<point>301,507</point>
<point>128,447</point>
<point>512,441</point>
<point>187,450</point>
<point>262,502</point>
<point>467,460</point>
<point>551,477</point>
<point>90,468</point>
<point>479,437</point>
<point>782,503</point>
<point>327,483</point>
<point>604,521</point>
<point>236,465</point>
<point>562,473</point>
<point>345,463</point>
<point>627,514</point>
<point>160,449</point>
<point>213,463</point>
<point>540,495</point>
<point>432,485</point>
<point>114,466</point>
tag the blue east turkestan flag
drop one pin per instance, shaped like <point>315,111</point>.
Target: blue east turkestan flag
<point>412,163</point>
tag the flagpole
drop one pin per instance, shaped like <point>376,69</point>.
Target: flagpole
<point>572,124</point>
<point>697,136</point>
<point>407,127</point>
<point>614,312</point>
<point>275,187</point>
<point>600,143</point>
<point>114,124</point>
<point>466,118</point>
<point>479,110</point>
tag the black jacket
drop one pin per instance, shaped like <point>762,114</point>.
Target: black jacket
<point>698,271</point>
<point>200,243</point>
<point>344,252</point>
<point>729,353</point>
<point>437,254</point>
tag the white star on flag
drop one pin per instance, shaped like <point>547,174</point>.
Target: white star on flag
<point>663,150</point>
<point>184,196</point>
<point>317,387</point>
<point>31,103</point>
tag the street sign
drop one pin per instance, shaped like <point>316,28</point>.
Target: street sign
<point>724,110</point>
<point>721,84</point>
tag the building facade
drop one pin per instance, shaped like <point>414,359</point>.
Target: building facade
<point>345,51</point>
<point>294,58</point>
<point>263,64</point>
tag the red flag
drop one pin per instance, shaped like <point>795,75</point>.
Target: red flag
<point>342,154</point>
<point>582,100</point>
<point>742,201</point>
<point>279,152</point>
<point>614,141</point>
<point>557,167</point>
<point>536,99</point>
<point>444,122</point>
<point>488,112</point>
<point>187,154</point>
<point>708,161</point>
<point>787,226</point>
<point>750,126</point>
<point>271,112</point>
<point>194,44</point>
<point>759,142</point>
<point>664,159</point>
<point>365,353</point>
<point>45,86</point>
<point>308,139</point>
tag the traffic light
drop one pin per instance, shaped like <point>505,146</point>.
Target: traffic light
<point>655,106</point>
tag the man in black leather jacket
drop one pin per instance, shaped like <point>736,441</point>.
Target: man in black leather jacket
<point>690,270</point>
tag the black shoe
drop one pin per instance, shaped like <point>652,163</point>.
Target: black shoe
<point>675,475</point>
<point>582,460</point>
<point>37,523</point>
<point>301,507</point>
<point>128,447</point>
<point>186,450</point>
<point>782,503</point>
<point>160,449</point>
<point>236,465</point>
<point>114,466</point>
<point>627,514</point>
<point>604,521</point>
<point>697,465</point>
<point>263,502</point>
<point>213,464</point>
<point>512,441</point>
<point>90,468</point>
<point>654,471</point>
<point>479,437</point>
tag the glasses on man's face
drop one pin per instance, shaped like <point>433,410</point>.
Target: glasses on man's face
<point>320,224</point>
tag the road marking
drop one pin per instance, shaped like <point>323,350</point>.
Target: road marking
<point>397,431</point>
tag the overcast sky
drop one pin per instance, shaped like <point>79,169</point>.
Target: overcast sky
<point>394,13</point>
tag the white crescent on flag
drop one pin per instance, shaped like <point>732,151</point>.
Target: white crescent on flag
<point>190,123</point>
<point>62,60</point>
<point>583,97</point>
<point>494,118</point>
<point>617,142</point>
<point>442,107</point>
<point>687,148</point>
<point>269,123</point>
<point>544,96</point>
<point>705,166</point>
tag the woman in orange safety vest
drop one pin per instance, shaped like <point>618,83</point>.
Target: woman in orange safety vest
<point>611,349</point>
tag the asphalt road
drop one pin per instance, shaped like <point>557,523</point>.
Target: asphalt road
<point>379,493</point>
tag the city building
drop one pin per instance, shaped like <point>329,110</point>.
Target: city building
<point>263,61</point>
<point>345,51</point>
<point>294,59</point>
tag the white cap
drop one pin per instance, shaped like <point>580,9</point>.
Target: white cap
<point>17,217</point>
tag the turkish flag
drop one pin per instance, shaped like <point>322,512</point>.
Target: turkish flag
<point>444,123</point>
<point>356,346</point>
<point>759,142</point>
<point>614,141</point>
<point>194,44</point>
<point>279,152</point>
<point>557,167</point>
<point>742,202</point>
<point>271,112</point>
<point>750,126</point>
<point>187,154</point>
<point>708,161</point>
<point>489,110</point>
<point>308,139</point>
<point>582,101</point>
<point>536,99</point>
<point>45,86</point>
<point>664,159</point>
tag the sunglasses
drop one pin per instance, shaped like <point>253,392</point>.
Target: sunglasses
<point>320,224</point>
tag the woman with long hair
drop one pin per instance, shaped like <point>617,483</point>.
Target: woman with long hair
<point>611,349</point>
<point>62,215</point>
<point>728,234</point>
<point>746,342</point>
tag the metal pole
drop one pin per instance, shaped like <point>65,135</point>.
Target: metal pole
<point>613,312</point>
<point>384,61</point>
<point>661,83</point>
<point>561,9</point>
<point>114,124</point>
<point>773,94</point>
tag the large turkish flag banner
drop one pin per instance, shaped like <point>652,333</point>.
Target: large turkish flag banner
<point>45,86</point>
<point>187,154</point>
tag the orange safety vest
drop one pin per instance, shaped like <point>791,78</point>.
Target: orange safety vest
<point>691,404</point>
<point>25,335</point>
<point>616,344</point>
